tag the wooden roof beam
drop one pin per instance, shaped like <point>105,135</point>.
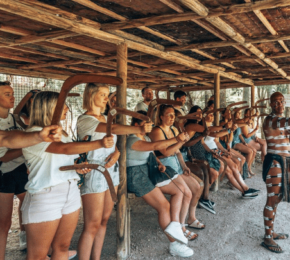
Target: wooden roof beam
<point>200,9</point>
<point>219,44</point>
<point>67,21</point>
<point>120,33</point>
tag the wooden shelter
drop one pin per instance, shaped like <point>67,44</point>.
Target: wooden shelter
<point>189,44</point>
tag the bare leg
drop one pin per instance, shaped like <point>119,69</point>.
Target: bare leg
<point>194,188</point>
<point>175,199</point>
<point>274,190</point>
<point>236,174</point>
<point>6,207</point>
<point>156,200</point>
<point>249,153</point>
<point>214,175</point>
<point>101,231</point>
<point>39,238</point>
<point>63,236</point>
<point>232,179</point>
<point>21,198</point>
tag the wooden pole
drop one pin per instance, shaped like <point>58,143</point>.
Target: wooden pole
<point>215,185</point>
<point>252,95</point>
<point>122,224</point>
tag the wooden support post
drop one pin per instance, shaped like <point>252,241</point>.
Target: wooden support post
<point>122,224</point>
<point>215,186</point>
<point>252,95</point>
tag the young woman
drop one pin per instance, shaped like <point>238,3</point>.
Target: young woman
<point>196,145</point>
<point>13,170</point>
<point>172,157</point>
<point>51,206</point>
<point>249,135</point>
<point>96,198</point>
<point>139,147</point>
<point>240,145</point>
<point>232,171</point>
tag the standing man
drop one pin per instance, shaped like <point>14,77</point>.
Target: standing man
<point>276,130</point>
<point>180,96</point>
<point>147,95</point>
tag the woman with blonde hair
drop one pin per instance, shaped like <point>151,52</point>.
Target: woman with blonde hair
<point>96,198</point>
<point>51,206</point>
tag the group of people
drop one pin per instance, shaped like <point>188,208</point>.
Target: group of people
<point>160,160</point>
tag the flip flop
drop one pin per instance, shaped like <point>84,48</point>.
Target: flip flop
<point>280,235</point>
<point>263,244</point>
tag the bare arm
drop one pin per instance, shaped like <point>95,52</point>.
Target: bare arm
<point>246,133</point>
<point>157,135</point>
<point>79,147</point>
<point>124,129</point>
<point>152,146</point>
<point>11,155</point>
<point>19,139</point>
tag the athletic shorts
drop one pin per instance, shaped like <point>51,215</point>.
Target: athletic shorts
<point>14,181</point>
<point>51,203</point>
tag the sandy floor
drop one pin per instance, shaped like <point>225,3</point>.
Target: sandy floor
<point>235,232</point>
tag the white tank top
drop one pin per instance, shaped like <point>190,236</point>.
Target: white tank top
<point>209,141</point>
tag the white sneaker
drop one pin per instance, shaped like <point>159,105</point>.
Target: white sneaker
<point>178,249</point>
<point>22,240</point>
<point>173,230</point>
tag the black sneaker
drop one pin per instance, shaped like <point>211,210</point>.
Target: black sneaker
<point>212,203</point>
<point>250,197</point>
<point>250,192</point>
<point>206,204</point>
<point>254,190</point>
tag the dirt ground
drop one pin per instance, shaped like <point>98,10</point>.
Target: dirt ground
<point>235,232</point>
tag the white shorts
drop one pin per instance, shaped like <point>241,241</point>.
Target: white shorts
<point>51,203</point>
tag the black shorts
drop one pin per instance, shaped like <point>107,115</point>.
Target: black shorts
<point>14,181</point>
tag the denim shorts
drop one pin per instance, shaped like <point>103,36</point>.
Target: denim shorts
<point>95,182</point>
<point>173,162</point>
<point>138,181</point>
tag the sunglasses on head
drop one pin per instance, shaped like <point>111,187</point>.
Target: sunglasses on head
<point>5,83</point>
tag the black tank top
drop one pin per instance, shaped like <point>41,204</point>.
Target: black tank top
<point>158,153</point>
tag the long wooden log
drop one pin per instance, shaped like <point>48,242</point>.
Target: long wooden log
<point>219,44</point>
<point>50,64</point>
<point>123,235</point>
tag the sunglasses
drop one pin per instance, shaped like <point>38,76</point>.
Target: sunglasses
<point>5,83</point>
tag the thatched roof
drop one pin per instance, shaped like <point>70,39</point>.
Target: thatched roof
<point>171,42</point>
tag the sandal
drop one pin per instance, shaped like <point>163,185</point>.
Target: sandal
<point>197,225</point>
<point>190,235</point>
<point>281,236</point>
<point>263,244</point>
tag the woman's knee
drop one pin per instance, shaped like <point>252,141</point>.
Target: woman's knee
<point>187,194</point>
<point>5,224</point>
<point>92,226</point>
<point>63,246</point>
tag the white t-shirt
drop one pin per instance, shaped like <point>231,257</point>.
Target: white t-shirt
<point>44,167</point>
<point>209,141</point>
<point>141,106</point>
<point>8,124</point>
<point>86,125</point>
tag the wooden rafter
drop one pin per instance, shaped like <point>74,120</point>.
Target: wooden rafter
<point>200,9</point>
<point>46,14</point>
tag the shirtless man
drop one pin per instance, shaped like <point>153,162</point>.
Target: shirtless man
<point>276,132</point>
